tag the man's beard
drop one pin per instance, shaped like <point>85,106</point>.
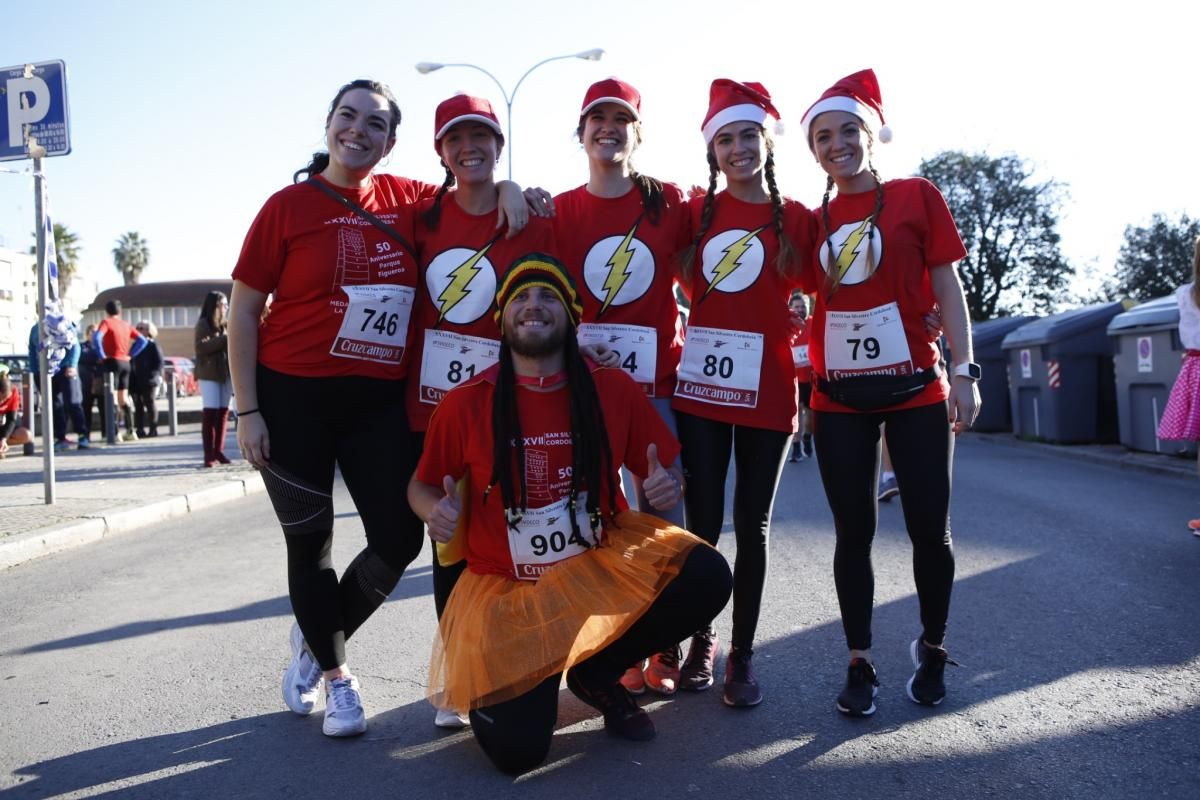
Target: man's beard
<point>536,346</point>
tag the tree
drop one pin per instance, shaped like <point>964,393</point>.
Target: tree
<point>1156,258</point>
<point>131,256</point>
<point>1008,224</point>
<point>66,244</point>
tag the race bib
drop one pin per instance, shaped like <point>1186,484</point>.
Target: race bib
<point>800,356</point>
<point>870,342</point>
<point>543,538</point>
<point>635,345</point>
<point>720,366</point>
<point>451,358</point>
<point>375,325</point>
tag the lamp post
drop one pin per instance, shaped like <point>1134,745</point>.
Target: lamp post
<point>426,67</point>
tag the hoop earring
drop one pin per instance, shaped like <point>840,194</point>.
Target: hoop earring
<point>386,161</point>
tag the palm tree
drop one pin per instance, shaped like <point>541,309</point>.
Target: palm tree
<point>66,243</point>
<point>131,256</point>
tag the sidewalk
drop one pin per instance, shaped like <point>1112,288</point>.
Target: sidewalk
<point>110,489</point>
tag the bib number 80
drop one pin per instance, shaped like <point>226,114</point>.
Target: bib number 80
<point>714,366</point>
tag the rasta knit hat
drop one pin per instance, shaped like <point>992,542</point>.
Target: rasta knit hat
<point>538,269</point>
<point>857,94</point>
<point>611,90</point>
<point>730,101</point>
<point>463,108</point>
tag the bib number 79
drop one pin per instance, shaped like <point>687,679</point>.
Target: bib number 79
<point>869,345</point>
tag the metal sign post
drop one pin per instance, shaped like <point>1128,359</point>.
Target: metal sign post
<point>36,151</point>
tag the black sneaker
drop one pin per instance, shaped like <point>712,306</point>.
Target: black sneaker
<point>806,443</point>
<point>927,686</point>
<point>696,674</point>
<point>858,697</point>
<point>622,715</point>
<point>741,686</point>
<point>795,456</point>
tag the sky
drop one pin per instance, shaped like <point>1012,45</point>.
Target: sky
<point>184,118</point>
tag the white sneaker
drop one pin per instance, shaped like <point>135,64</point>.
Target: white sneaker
<point>344,715</point>
<point>302,679</point>
<point>451,719</point>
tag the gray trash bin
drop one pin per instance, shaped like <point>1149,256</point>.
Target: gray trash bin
<point>996,412</point>
<point>1061,376</point>
<point>1147,356</point>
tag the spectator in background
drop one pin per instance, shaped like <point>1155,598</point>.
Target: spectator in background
<point>1181,417</point>
<point>91,379</point>
<point>66,393</point>
<point>212,370</point>
<point>145,380</point>
<point>10,416</point>
<point>117,343</point>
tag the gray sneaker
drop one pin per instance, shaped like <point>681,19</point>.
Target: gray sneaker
<point>344,715</point>
<point>888,489</point>
<point>302,679</point>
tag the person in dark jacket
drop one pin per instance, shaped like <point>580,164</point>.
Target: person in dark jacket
<point>145,379</point>
<point>66,390</point>
<point>91,379</point>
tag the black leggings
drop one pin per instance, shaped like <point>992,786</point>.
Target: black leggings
<point>516,734</point>
<point>759,457</point>
<point>921,446</point>
<point>359,425</point>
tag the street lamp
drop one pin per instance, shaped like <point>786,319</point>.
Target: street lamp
<point>426,67</point>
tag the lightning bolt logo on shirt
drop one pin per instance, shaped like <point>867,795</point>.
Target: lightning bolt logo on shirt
<point>731,260</point>
<point>850,248</point>
<point>618,270</point>
<point>461,277</point>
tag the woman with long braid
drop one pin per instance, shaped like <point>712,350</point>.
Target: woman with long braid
<point>333,252</point>
<point>619,236</point>
<point>886,256</point>
<point>736,389</point>
<point>560,577</point>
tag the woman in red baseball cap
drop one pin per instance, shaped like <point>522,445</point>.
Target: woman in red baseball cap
<point>736,388</point>
<point>620,235</point>
<point>885,258</point>
<point>463,251</point>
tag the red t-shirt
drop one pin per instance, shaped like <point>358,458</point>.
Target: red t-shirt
<point>459,442</point>
<point>462,261</point>
<point>12,403</point>
<point>116,336</point>
<point>625,268</point>
<point>737,361</point>
<point>915,232</point>
<point>319,259</point>
<point>800,354</point>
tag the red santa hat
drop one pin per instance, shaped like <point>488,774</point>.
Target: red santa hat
<point>463,108</point>
<point>730,101</point>
<point>611,90</point>
<point>857,94</point>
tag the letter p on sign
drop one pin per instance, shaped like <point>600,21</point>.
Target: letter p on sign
<point>28,102</point>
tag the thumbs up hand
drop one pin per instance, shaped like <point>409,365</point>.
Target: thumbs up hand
<point>663,487</point>
<point>444,518</point>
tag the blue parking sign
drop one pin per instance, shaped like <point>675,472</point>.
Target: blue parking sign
<point>33,102</point>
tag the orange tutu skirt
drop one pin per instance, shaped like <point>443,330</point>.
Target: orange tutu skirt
<point>499,637</point>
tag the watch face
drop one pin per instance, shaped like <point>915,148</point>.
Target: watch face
<point>974,372</point>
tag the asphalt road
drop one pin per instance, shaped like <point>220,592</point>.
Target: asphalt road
<point>148,666</point>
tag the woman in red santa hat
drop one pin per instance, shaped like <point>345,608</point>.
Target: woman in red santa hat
<point>464,248</point>
<point>620,235</point>
<point>886,256</point>
<point>736,387</point>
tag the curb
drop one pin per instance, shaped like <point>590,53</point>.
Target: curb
<point>93,527</point>
<point>1139,462</point>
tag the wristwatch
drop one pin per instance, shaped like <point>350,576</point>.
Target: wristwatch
<point>969,370</point>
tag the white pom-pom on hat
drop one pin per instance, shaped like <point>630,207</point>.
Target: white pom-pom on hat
<point>780,128</point>
<point>885,134</point>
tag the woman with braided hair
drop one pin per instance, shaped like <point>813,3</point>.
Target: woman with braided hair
<point>736,388</point>
<point>521,463</point>
<point>619,236</point>
<point>886,257</point>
